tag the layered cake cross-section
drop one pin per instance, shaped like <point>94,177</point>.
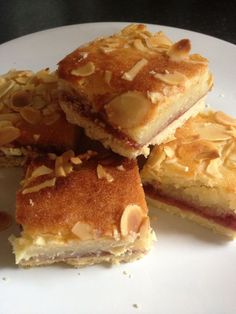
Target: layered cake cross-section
<point>193,175</point>
<point>81,210</point>
<point>31,120</point>
<point>133,89</point>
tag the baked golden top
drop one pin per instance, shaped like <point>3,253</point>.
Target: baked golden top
<point>203,151</point>
<point>89,193</point>
<point>132,70</point>
<point>29,111</point>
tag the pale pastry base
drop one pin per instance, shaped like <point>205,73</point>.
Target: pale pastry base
<point>193,217</point>
<point>86,261</point>
<point>97,132</point>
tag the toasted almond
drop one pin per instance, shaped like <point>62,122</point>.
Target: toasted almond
<point>83,231</point>
<point>59,170</point>
<point>108,76</point>
<point>39,102</point>
<point>138,44</point>
<point>20,99</point>
<point>46,77</point>
<point>162,40</point>
<point>145,228</point>
<point>198,150</point>
<point>11,151</point>
<point>41,171</point>
<point>37,188</point>
<point>180,50</point>
<point>5,123</point>
<point>84,70</point>
<point>213,168</point>
<point>179,167</point>
<point>103,174</point>
<point>76,160</point>
<point>223,118</point>
<point>175,78</point>
<point>52,156</point>
<point>51,119</point>
<point>5,87</point>
<point>169,151</point>
<point>155,97</point>
<point>13,117</point>
<point>2,81</point>
<point>131,219</point>
<point>196,58</point>
<point>8,134</point>
<point>130,75</point>
<point>106,50</point>
<point>128,110</point>
<point>120,168</point>
<point>31,115</point>
<point>212,132</point>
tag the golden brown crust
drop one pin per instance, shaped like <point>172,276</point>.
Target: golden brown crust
<point>81,196</point>
<point>131,86</point>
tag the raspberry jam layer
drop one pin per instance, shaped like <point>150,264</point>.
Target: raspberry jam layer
<point>227,220</point>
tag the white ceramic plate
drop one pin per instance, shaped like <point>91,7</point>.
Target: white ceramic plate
<point>189,270</point>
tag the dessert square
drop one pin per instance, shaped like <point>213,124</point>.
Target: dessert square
<point>31,120</point>
<point>81,210</point>
<point>133,89</point>
<point>193,175</point>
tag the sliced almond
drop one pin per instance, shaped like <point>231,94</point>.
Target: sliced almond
<point>41,171</point>
<point>52,156</point>
<point>84,70</point>
<point>120,168</point>
<point>196,58</point>
<point>162,40</point>
<point>8,134</point>
<point>31,115</point>
<point>37,188</point>
<point>179,167</point>
<point>157,157</point>
<point>131,219</point>
<point>39,102</point>
<point>13,117</point>
<point>5,123</point>
<point>180,50</point>
<point>59,170</point>
<point>169,151</point>
<point>138,44</point>
<point>103,174</point>
<point>20,99</point>
<point>76,160</point>
<point>130,75</point>
<point>155,97</point>
<point>213,168</point>
<point>5,88</point>
<point>108,76</point>
<point>128,110</point>
<point>83,231</point>
<point>198,150</point>
<point>175,78</point>
<point>51,119</point>
<point>223,118</point>
<point>212,132</point>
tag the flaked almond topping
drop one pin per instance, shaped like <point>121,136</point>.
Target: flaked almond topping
<point>20,99</point>
<point>145,228</point>
<point>103,174</point>
<point>59,170</point>
<point>36,137</point>
<point>169,151</point>
<point>213,168</point>
<point>84,54</point>
<point>52,156</point>
<point>2,81</point>
<point>196,58</point>
<point>138,44</point>
<point>84,70</point>
<point>212,132</point>
<point>157,158</point>
<point>162,39</point>
<point>41,171</point>
<point>8,134</point>
<point>131,219</point>
<point>39,102</point>
<point>108,76</point>
<point>5,87</point>
<point>31,115</point>
<point>130,75</point>
<point>37,188</point>
<point>52,118</point>
<point>175,78</point>
<point>5,123</point>
<point>198,150</point>
<point>76,160</point>
<point>120,168</point>
<point>83,231</point>
<point>106,50</point>
<point>11,151</point>
<point>228,149</point>
<point>128,110</point>
<point>46,77</point>
<point>13,117</point>
<point>223,118</point>
<point>180,50</point>
<point>154,96</point>
<point>180,167</point>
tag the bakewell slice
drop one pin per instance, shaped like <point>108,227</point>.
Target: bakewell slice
<point>81,210</point>
<point>133,89</point>
<point>31,120</point>
<point>193,175</point>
